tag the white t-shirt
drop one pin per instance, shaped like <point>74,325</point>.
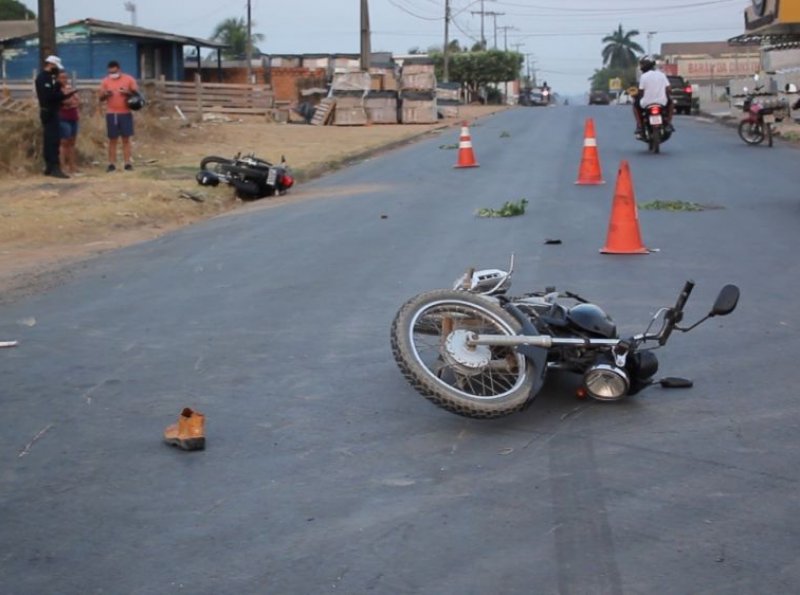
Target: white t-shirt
<point>653,84</point>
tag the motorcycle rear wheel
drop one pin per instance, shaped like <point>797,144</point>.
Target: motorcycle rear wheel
<point>655,139</point>
<point>218,165</point>
<point>751,132</point>
<point>419,334</point>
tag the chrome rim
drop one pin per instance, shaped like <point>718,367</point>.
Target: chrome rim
<point>752,133</point>
<point>429,331</point>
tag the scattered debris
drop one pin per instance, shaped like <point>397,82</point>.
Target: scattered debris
<point>452,147</point>
<point>30,444</point>
<point>671,205</point>
<point>552,242</point>
<point>505,134</point>
<point>384,216</point>
<point>509,209</point>
<point>8,344</point>
<point>505,451</point>
<point>30,321</point>
<point>191,196</point>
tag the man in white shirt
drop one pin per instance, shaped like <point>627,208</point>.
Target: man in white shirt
<point>653,88</point>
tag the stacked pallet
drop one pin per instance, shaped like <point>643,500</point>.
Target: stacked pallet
<point>382,107</point>
<point>350,90</point>
<point>418,93</point>
<point>448,99</point>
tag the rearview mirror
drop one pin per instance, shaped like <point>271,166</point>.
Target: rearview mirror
<point>791,88</point>
<point>726,301</point>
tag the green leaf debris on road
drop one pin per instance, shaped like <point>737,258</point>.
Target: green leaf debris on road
<point>671,205</point>
<point>509,209</point>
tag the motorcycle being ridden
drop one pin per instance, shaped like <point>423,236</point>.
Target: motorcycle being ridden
<point>653,106</point>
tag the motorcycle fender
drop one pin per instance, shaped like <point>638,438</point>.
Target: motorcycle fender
<point>536,355</point>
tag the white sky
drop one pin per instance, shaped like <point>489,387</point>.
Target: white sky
<point>563,35</point>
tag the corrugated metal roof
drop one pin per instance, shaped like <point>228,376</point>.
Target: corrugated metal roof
<point>112,28</point>
<point>12,29</point>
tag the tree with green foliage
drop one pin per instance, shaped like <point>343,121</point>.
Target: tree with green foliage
<point>620,49</point>
<point>599,80</point>
<point>12,10</point>
<point>475,70</point>
<point>233,33</point>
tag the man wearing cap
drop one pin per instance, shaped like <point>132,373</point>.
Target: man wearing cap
<point>51,95</point>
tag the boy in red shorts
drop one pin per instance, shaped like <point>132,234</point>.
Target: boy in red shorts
<point>115,90</point>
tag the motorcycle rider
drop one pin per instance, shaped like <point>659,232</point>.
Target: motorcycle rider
<point>653,88</point>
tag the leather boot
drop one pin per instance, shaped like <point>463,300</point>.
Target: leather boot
<point>189,433</point>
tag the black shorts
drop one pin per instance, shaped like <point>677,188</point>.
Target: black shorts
<point>119,125</point>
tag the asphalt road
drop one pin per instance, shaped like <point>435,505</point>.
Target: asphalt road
<point>325,472</point>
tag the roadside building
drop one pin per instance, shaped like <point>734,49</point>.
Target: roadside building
<point>12,29</point>
<point>86,47</point>
<point>775,28</point>
<point>709,65</point>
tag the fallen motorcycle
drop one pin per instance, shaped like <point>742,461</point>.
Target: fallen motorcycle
<point>252,177</point>
<point>479,353</point>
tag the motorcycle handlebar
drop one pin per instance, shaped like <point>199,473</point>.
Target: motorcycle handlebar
<point>676,314</point>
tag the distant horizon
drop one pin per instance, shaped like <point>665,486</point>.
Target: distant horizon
<point>563,43</point>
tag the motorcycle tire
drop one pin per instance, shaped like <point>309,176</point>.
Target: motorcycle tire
<point>503,387</point>
<point>655,139</point>
<point>751,133</point>
<point>215,164</point>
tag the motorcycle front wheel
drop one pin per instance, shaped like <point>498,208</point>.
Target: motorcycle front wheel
<point>218,165</point>
<point>751,132</point>
<point>428,345</point>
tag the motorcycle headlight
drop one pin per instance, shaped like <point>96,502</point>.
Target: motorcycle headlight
<point>606,382</point>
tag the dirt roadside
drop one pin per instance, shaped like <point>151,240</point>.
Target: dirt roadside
<point>49,226</point>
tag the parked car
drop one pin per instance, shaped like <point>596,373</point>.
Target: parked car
<point>599,98</point>
<point>681,94</point>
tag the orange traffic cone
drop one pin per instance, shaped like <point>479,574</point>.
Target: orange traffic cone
<point>623,229</point>
<point>466,156</point>
<point>589,172</point>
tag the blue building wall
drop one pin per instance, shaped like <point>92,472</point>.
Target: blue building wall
<point>87,55</point>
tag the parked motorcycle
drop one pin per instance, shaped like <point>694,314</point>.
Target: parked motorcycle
<point>762,113</point>
<point>477,352</point>
<point>252,177</point>
<point>654,130</point>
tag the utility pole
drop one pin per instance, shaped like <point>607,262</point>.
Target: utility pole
<point>249,48</point>
<point>366,49</point>
<point>483,13</point>
<point>47,29</point>
<point>494,15</point>
<point>505,29</point>
<point>446,51</point>
<point>649,41</point>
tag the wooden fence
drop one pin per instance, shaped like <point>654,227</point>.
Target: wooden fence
<point>193,98</point>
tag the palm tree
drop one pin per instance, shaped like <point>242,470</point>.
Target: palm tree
<point>620,49</point>
<point>233,33</point>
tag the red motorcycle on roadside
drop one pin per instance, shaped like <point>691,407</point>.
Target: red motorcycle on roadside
<point>762,113</point>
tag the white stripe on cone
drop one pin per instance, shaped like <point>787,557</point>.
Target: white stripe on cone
<point>590,142</point>
<point>465,144</point>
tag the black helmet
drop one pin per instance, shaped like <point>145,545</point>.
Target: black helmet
<point>646,63</point>
<point>592,319</point>
<point>136,101</point>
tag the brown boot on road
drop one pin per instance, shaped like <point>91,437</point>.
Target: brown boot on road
<point>189,432</point>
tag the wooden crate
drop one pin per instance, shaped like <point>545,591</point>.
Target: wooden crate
<point>350,116</point>
<point>416,111</point>
<point>382,107</point>
<point>418,81</point>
